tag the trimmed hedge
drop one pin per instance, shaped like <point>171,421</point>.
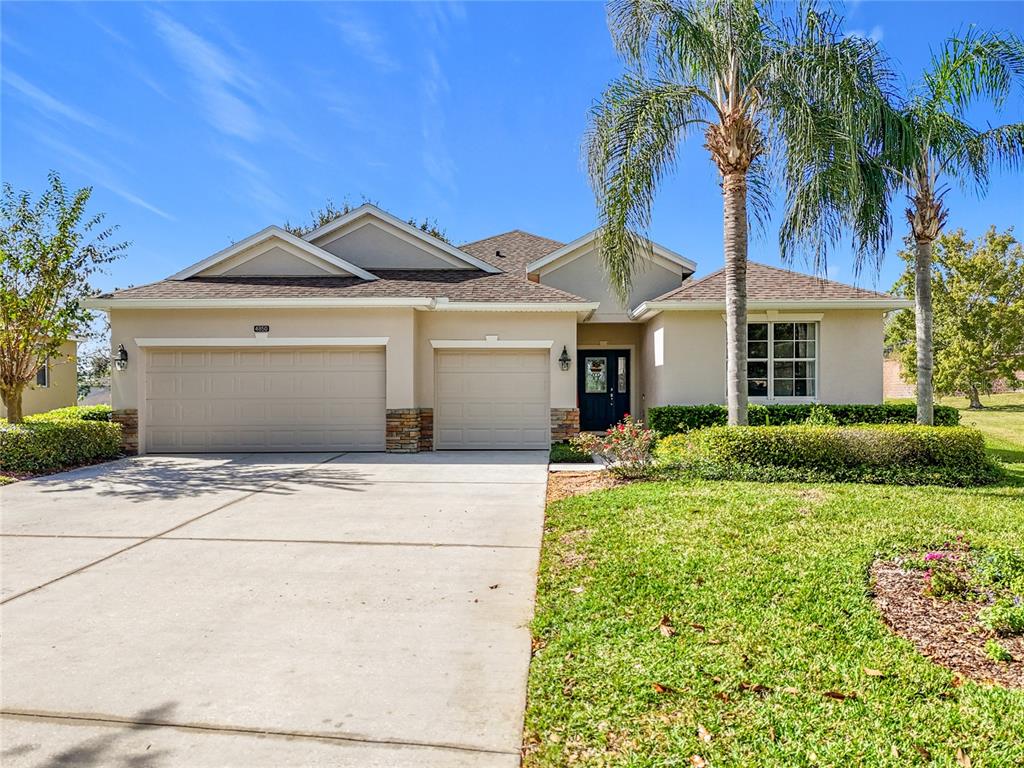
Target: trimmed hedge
<point>75,412</point>
<point>567,453</point>
<point>48,445</point>
<point>888,454</point>
<point>674,419</point>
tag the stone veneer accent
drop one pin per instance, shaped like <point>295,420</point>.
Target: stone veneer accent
<point>565,424</point>
<point>402,430</point>
<point>426,429</point>
<point>128,418</point>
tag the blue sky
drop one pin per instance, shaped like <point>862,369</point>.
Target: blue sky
<point>200,123</point>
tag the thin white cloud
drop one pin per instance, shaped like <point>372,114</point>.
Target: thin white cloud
<point>875,34</point>
<point>52,106</point>
<point>99,173</point>
<point>257,184</point>
<point>222,84</point>
<point>363,39</point>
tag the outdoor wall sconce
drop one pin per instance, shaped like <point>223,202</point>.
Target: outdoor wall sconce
<point>121,360</point>
<point>564,360</point>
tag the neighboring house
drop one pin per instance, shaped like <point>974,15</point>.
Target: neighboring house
<point>55,384</point>
<point>369,334</point>
<point>896,387</point>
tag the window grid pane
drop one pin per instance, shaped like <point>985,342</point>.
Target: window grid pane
<point>789,352</point>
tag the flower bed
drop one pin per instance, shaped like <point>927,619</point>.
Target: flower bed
<point>962,608</point>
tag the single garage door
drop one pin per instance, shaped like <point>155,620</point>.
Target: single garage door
<point>275,399</point>
<point>492,399</point>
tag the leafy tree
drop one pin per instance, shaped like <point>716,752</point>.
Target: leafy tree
<point>49,251</point>
<point>329,212</point>
<point>778,100</point>
<point>977,292</point>
<point>976,65</point>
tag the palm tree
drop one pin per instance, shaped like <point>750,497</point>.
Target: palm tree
<point>977,65</point>
<point>778,100</point>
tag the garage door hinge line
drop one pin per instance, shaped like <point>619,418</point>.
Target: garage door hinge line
<point>283,480</point>
<point>349,738</point>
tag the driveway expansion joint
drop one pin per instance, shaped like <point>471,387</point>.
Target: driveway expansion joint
<point>146,539</point>
<point>348,738</point>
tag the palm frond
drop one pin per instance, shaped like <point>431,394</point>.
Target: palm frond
<point>631,143</point>
<point>976,64</point>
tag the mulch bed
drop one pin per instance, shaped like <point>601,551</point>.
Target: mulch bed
<point>946,631</point>
<point>562,485</point>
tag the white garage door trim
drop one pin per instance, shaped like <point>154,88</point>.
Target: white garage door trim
<point>263,398</point>
<point>256,341</point>
<point>492,399</point>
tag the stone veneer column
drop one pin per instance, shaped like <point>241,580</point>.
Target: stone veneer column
<point>128,418</point>
<point>402,430</point>
<point>565,424</point>
<point>426,429</point>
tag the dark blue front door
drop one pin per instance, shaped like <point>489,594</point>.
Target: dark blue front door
<point>603,387</point>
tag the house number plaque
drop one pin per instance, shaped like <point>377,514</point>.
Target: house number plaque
<point>261,329</point>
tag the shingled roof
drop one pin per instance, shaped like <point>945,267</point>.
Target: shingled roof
<point>766,283</point>
<point>453,284</point>
<point>517,249</point>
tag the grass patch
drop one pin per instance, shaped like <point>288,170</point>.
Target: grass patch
<point>567,453</point>
<point>734,621</point>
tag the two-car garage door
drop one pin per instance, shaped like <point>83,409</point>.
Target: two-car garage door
<point>333,399</point>
<point>274,399</point>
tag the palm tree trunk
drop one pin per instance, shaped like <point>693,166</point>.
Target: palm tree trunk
<point>923,320</point>
<point>734,194</point>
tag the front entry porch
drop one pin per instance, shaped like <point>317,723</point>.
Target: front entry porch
<point>608,382</point>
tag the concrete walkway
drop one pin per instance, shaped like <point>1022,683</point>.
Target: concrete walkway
<point>270,610</point>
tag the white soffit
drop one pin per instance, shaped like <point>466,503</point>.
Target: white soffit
<point>271,234</point>
<point>396,226</point>
<point>578,247</point>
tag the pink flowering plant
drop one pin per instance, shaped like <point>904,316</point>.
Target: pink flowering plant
<point>628,447</point>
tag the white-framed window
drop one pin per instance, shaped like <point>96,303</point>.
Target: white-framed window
<point>782,360</point>
<point>43,374</point>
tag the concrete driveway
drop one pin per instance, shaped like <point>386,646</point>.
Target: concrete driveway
<point>270,610</point>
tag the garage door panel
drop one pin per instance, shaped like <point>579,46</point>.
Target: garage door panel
<point>265,400</point>
<point>491,399</point>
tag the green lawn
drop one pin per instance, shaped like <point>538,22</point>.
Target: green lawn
<point>764,585</point>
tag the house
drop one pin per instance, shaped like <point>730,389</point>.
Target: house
<point>368,334</point>
<point>55,384</point>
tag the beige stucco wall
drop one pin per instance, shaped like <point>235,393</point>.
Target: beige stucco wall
<point>692,364</point>
<point>585,276</point>
<point>559,327</point>
<point>63,388</point>
<point>410,357</point>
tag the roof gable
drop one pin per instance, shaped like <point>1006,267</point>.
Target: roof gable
<point>272,248</point>
<point>590,241</point>
<point>436,253</point>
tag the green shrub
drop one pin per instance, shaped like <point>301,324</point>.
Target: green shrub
<point>997,652</point>
<point>75,412</point>
<point>1005,617</point>
<point>821,416</point>
<point>891,454</point>
<point>48,445</point>
<point>567,453</point>
<point>673,419</point>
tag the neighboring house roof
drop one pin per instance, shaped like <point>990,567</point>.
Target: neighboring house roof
<point>769,285</point>
<point>517,249</point>
<point>454,284</point>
